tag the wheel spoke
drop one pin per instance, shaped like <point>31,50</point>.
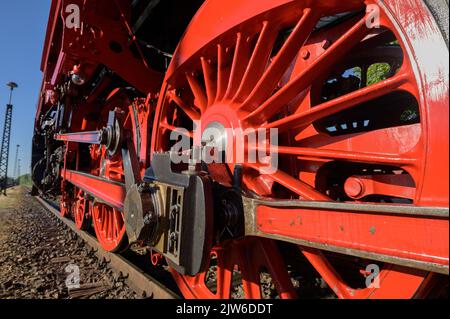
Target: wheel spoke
<point>323,63</point>
<point>295,185</point>
<point>210,80</point>
<point>305,153</point>
<point>189,111</point>
<point>339,104</point>
<point>110,226</point>
<point>278,67</point>
<point>324,268</point>
<point>390,278</point>
<point>224,274</point>
<point>102,218</point>
<point>273,261</point>
<point>250,274</point>
<point>240,61</point>
<point>199,94</point>
<point>116,227</point>
<point>177,130</point>
<point>258,61</point>
<point>223,72</point>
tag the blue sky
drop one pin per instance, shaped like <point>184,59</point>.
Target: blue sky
<point>22,30</point>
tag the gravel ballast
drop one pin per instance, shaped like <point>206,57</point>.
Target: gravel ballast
<point>42,259</point>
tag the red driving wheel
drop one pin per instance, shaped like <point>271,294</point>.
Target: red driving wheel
<point>64,207</point>
<point>109,227</point>
<point>109,222</point>
<point>81,210</point>
<point>348,92</point>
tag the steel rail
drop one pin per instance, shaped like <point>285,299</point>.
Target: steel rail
<point>136,279</point>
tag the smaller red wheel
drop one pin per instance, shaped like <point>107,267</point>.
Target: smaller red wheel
<point>109,227</point>
<point>64,209</point>
<point>81,211</point>
<point>65,206</point>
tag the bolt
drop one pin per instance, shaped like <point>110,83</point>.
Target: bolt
<point>173,237</point>
<point>175,209</point>
<point>326,44</point>
<point>305,54</point>
<point>148,218</point>
<point>354,187</point>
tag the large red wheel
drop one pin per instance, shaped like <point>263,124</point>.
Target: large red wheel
<point>359,109</point>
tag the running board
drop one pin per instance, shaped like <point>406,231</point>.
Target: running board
<point>410,236</point>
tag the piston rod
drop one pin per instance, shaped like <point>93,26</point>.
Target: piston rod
<point>92,137</point>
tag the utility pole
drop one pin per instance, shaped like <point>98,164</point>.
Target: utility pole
<point>4,150</point>
<point>18,172</point>
<point>15,172</point>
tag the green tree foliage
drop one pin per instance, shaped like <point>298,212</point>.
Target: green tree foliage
<point>377,72</point>
<point>25,180</point>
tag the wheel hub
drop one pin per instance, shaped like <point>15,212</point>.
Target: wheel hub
<point>221,141</point>
<point>215,142</point>
<point>219,126</point>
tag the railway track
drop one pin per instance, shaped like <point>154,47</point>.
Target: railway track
<point>142,283</point>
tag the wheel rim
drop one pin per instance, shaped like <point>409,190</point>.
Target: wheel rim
<point>237,81</point>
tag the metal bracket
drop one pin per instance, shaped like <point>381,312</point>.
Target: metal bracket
<point>187,201</point>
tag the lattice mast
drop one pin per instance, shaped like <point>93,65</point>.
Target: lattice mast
<point>4,150</point>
